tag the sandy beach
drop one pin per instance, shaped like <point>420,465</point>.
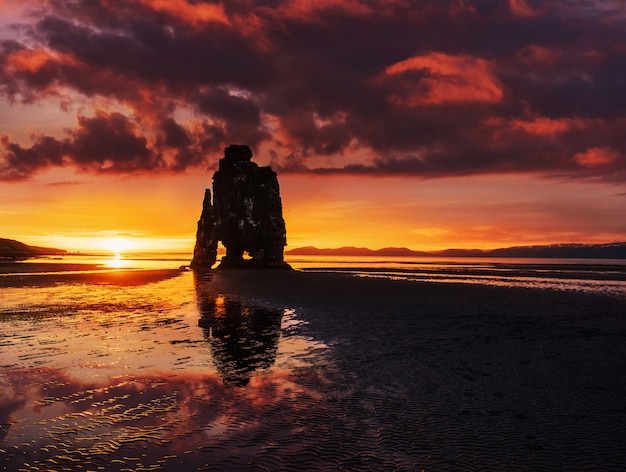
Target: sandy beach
<point>291,370</point>
<point>461,377</point>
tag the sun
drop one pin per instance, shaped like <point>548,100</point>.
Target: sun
<point>119,244</point>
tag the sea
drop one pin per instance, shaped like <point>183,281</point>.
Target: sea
<point>600,276</point>
<point>603,276</point>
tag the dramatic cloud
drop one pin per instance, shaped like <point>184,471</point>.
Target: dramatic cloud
<point>105,143</point>
<point>447,79</point>
<point>428,88</point>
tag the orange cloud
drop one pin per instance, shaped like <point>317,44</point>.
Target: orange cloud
<point>32,60</point>
<point>192,13</point>
<point>597,156</point>
<point>27,60</point>
<point>447,79</point>
<point>308,9</point>
<point>541,126</point>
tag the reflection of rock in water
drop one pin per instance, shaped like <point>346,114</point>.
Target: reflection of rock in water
<point>242,338</point>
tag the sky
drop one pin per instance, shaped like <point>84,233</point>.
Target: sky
<point>423,124</point>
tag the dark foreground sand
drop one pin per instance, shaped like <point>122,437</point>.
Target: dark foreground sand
<point>463,377</point>
<point>416,376</point>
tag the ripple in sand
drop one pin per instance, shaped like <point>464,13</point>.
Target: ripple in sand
<point>128,380</point>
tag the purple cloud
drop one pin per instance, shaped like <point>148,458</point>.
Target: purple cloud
<point>304,79</point>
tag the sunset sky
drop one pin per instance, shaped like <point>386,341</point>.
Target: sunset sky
<point>425,124</point>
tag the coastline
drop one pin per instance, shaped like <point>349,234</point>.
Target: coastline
<point>363,374</point>
<point>41,274</point>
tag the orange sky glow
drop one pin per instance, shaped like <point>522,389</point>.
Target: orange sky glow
<point>146,214</point>
<point>383,132</point>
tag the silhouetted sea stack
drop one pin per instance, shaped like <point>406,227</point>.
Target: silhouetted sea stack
<point>246,215</point>
<point>205,250</point>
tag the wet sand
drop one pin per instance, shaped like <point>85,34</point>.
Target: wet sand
<point>327,372</point>
<point>11,267</point>
<point>464,377</point>
<point>37,274</point>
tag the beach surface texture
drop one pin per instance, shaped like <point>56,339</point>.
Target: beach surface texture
<point>293,370</point>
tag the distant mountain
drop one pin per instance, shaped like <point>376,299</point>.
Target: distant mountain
<point>398,251</point>
<point>576,251</point>
<point>582,251</point>
<point>340,251</point>
<point>354,251</point>
<point>460,253</point>
<point>9,248</point>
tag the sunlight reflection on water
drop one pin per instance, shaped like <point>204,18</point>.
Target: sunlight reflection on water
<point>118,262</point>
<point>95,374</point>
<point>155,368</point>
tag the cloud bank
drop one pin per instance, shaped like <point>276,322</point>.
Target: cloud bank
<point>423,88</point>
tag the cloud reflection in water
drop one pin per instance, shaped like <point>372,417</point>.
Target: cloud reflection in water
<point>51,421</point>
<point>122,377</point>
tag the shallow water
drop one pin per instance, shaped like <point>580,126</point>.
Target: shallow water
<point>599,276</point>
<point>144,377</point>
<point>166,370</point>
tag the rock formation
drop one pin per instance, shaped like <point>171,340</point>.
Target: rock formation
<point>246,215</point>
<point>205,250</point>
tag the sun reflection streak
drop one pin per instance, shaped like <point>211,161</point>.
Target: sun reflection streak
<point>118,262</point>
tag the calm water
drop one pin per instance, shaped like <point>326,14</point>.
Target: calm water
<point>159,370</point>
<point>606,276</point>
<point>151,374</point>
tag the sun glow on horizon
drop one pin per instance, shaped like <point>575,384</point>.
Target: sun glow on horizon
<point>105,242</point>
<point>120,244</point>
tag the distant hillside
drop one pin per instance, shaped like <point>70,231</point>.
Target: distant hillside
<point>349,251</point>
<point>576,251</point>
<point>15,249</point>
<point>582,251</point>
